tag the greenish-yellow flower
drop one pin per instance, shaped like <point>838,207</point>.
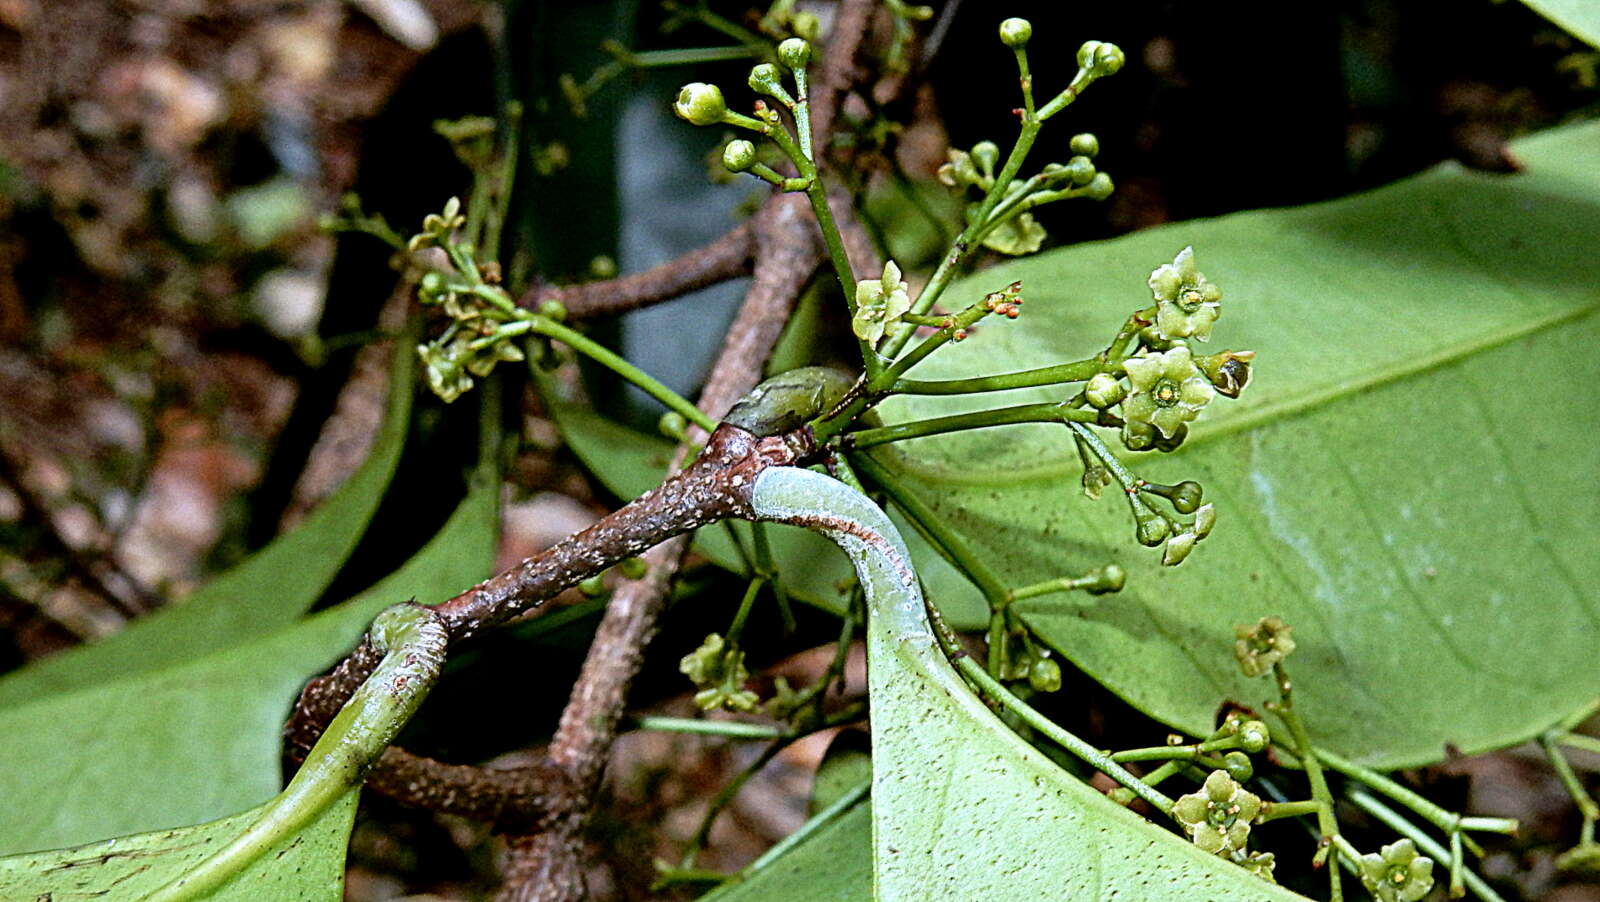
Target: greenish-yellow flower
<point>1186,302</point>
<point>880,303</point>
<point>1397,873</point>
<point>1168,391</point>
<point>1261,646</point>
<point>1218,816</point>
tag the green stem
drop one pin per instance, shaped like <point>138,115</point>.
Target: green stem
<point>1180,752</point>
<point>946,540</point>
<point>1579,741</point>
<point>1272,811</point>
<point>721,800</point>
<point>1095,758</point>
<point>1060,584</point>
<point>1448,821</point>
<point>599,353</point>
<point>414,641</point>
<point>1060,373</point>
<point>745,604</point>
<point>767,568</point>
<point>1043,412</point>
<point>1569,779</point>
<point>1319,783</point>
<point>733,729</point>
<point>822,818</point>
<point>1398,823</point>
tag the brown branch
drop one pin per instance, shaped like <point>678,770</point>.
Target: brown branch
<point>726,258</point>
<point>547,865</point>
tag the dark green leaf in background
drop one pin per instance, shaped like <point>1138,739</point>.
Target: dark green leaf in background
<point>196,740</point>
<point>1409,480</point>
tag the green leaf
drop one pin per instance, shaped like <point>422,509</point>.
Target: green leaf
<point>270,589</point>
<point>1581,18</point>
<point>189,742</point>
<point>631,463</point>
<point>832,865</point>
<point>307,867</point>
<point>1409,480</point>
<point>963,808</point>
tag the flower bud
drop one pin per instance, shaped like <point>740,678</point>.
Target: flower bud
<point>1044,675</point>
<point>739,155</point>
<point>1015,33</point>
<point>1100,58</point>
<point>1152,529</point>
<point>1178,548</point>
<point>1080,170</point>
<point>1109,578</point>
<point>1103,390</point>
<point>1204,519</point>
<point>1086,144</point>
<point>432,285</point>
<point>1238,766</point>
<point>700,104</point>
<point>806,25</point>
<point>594,586</point>
<point>634,568</point>
<point>765,78</point>
<point>673,425</point>
<point>1254,736</point>
<point>1229,371</point>
<point>1186,496</point>
<point>1099,187</point>
<point>795,53</point>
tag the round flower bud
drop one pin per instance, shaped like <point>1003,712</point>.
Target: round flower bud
<point>739,155</point>
<point>795,53</point>
<point>1014,32</point>
<point>432,285</point>
<point>1103,390</point>
<point>594,586</point>
<point>1152,530</point>
<point>700,104</point>
<point>1099,187</point>
<point>1044,675</point>
<point>1086,144</point>
<point>1080,170</point>
<point>1238,766</point>
<point>1111,579</point>
<point>673,425</point>
<point>1100,58</point>
<point>1254,736</point>
<point>1186,496</point>
<point>634,568</point>
<point>765,78</point>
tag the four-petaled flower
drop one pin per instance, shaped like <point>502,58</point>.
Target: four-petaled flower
<point>1257,863</point>
<point>1398,873</point>
<point>880,303</point>
<point>1218,816</point>
<point>1187,304</point>
<point>1168,391</point>
<point>1260,646</point>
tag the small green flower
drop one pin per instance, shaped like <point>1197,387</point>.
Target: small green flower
<point>1218,816</point>
<point>1103,390</point>
<point>1015,33</point>
<point>445,365</point>
<point>786,700</point>
<point>961,171</point>
<point>1187,304</point>
<point>719,671</point>
<point>1398,874</point>
<point>1261,646</point>
<point>483,360</point>
<point>1178,548</point>
<point>880,303</point>
<point>1168,391</point>
<point>1229,371</point>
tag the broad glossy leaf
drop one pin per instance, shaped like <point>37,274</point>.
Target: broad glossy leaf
<point>631,463</point>
<point>272,588</point>
<point>962,807</point>
<point>1409,480</point>
<point>193,741</point>
<point>306,867</point>
<point>1580,17</point>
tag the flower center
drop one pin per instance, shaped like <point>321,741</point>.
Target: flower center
<point>1221,814</point>
<point>1165,393</point>
<point>1190,299</point>
<point>1399,875</point>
